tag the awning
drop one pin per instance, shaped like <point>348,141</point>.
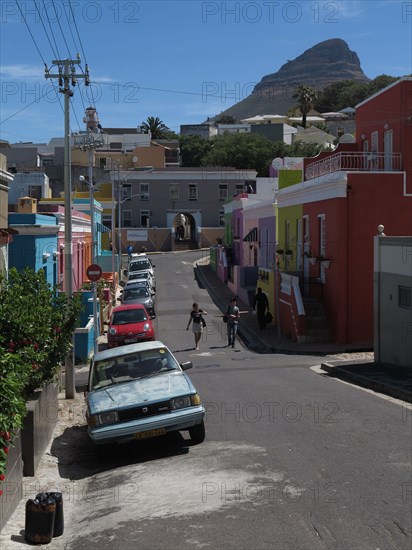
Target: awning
<point>252,236</point>
<point>102,228</point>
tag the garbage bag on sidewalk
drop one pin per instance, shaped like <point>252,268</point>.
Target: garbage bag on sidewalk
<point>59,517</point>
<point>39,523</point>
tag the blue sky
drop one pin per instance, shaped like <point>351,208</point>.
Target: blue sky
<point>179,60</point>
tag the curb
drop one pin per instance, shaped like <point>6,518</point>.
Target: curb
<point>366,382</point>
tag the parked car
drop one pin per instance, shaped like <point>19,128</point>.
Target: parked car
<point>141,391</point>
<point>137,294</point>
<point>140,283</point>
<point>129,324</point>
<point>142,275</point>
<point>141,264</point>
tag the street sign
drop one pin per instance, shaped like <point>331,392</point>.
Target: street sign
<point>94,272</point>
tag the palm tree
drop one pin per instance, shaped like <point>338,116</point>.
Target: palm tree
<point>155,126</point>
<point>306,96</point>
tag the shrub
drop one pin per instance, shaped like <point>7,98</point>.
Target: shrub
<point>37,324</point>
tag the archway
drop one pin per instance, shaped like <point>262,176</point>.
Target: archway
<point>184,225</point>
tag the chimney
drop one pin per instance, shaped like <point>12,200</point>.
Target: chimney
<point>27,205</point>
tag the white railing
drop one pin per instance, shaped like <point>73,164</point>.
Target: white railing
<point>378,162</point>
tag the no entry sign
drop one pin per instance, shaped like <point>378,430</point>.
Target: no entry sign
<point>94,272</point>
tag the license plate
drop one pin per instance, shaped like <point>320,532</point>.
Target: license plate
<point>130,341</point>
<point>150,433</point>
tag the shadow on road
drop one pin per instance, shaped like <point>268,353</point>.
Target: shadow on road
<point>79,458</point>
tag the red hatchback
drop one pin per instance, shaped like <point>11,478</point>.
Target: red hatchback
<point>129,324</point>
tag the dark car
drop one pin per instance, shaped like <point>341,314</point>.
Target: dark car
<point>137,294</point>
<point>129,324</point>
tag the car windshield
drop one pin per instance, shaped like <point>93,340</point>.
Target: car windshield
<point>128,316</point>
<point>135,292</point>
<point>132,366</point>
<point>140,266</point>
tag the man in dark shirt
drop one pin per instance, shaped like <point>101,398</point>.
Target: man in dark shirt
<point>261,303</point>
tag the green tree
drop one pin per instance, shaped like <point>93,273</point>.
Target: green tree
<point>193,149</point>
<point>250,151</point>
<point>156,127</point>
<point>306,96</point>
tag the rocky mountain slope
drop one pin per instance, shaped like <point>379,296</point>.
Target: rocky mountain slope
<point>326,62</point>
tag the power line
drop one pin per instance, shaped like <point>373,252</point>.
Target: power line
<point>31,34</point>
<point>45,31</point>
<point>61,30</point>
<point>51,30</point>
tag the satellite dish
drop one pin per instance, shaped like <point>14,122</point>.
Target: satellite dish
<point>135,159</point>
<point>277,163</point>
<point>347,138</point>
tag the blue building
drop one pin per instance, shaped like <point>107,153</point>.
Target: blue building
<point>35,245</point>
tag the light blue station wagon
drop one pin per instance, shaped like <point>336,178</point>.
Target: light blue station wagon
<point>140,391</point>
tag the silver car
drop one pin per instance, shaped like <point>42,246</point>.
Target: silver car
<point>140,391</point>
<point>142,276</point>
<point>135,293</point>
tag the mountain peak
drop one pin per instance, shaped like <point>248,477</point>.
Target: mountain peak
<point>324,63</point>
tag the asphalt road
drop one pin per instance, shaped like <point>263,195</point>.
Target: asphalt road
<point>292,459</point>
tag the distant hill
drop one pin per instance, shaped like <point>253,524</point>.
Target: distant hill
<point>327,62</point>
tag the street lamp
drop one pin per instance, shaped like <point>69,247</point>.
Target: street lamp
<point>92,188</point>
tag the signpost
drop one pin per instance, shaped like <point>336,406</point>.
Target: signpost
<point>94,272</point>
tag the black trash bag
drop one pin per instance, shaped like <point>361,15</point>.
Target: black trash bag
<point>59,517</point>
<point>39,523</point>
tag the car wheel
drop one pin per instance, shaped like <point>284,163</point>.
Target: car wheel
<point>198,433</point>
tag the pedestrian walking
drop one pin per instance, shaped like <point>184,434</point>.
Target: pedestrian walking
<point>198,323</point>
<point>232,316</point>
<point>261,303</point>
<point>129,251</point>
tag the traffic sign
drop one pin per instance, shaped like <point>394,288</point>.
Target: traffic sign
<point>94,272</point>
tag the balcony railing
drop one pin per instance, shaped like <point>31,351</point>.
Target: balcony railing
<point>378,162</point>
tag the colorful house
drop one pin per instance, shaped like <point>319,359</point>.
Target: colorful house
<point>35,245</point>
<point>6,236</point>
<point>329,220</point>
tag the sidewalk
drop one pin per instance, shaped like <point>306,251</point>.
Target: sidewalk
<point>349,362</point>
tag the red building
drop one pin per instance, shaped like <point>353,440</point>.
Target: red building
<point>345,195</point>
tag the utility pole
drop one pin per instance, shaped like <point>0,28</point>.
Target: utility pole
<point>67,76</point>
<point>89,142</point>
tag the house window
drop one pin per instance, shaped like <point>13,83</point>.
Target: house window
<point>144,218</point>
<point>192,192</point>
<point>174,192</point>
<point>405,296</point>
<point>107,220</point>
<point>35,191</point>
<point>116,145</point>
<point>287,234</point>
<point>322,244</point>
<point>144,191</point>
<point>127,218</point>
<point>126,191</point>
<point>223,193</point>
<point>102,162</point>
<point>221,217</point>
<point>48,161</point>
<point>238,189</point>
